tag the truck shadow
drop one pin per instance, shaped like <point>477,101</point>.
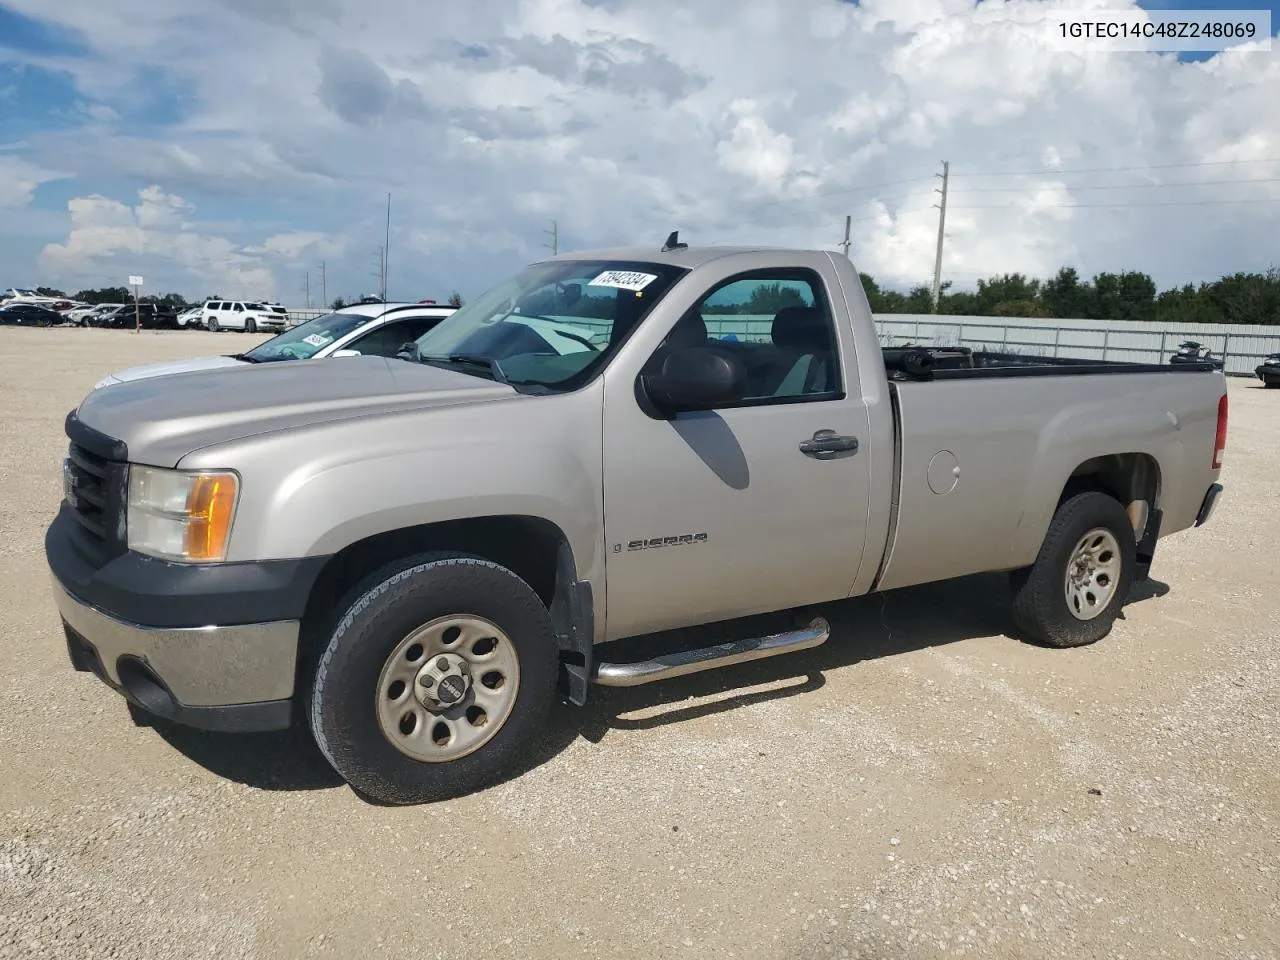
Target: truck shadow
<point>862,629</point>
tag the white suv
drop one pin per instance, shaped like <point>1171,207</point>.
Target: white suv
<point>249,316</point>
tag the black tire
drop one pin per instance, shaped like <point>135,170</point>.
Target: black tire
<point>1040,605</point>
<point>214,326</point>
<point>251,326</point>
<point>387,608</point>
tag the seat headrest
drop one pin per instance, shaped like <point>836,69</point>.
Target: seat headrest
<point>801,328</point>
<point>689,331</point>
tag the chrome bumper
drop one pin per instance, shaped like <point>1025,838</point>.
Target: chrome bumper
<point>199,667</point>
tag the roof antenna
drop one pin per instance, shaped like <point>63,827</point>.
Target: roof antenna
<point>673,242</point>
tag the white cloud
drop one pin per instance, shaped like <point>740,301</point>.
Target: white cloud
<point>109,239</point>
<point>625,119</point>
<point>19,179</point>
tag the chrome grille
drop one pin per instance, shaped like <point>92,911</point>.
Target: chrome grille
<point>93,487</point>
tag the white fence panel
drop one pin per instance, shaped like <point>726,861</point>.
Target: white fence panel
<point>1242,346</point>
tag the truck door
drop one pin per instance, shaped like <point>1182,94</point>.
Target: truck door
<point>754,507</point>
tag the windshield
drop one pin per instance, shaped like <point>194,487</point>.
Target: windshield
<point>306,339</point>
<point>553,324</point>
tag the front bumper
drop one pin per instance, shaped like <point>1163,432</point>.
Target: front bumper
<point>210,646</point>
<point>233,679</point>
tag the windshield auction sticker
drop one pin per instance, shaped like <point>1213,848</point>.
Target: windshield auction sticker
<point>623,279</point>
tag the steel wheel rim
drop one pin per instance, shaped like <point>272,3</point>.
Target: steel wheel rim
<point>1093,573</point>
<point>463,655</point>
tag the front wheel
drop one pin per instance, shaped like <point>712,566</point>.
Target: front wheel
<point>251,326</point>
<point>435,681</point>
<point>1073,592</point>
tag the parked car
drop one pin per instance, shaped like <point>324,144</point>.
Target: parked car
<point>248,316</point>
<point>150,316</point>
<point>23,314</point>
<point>372,329</point>
<point>1269,370</point>
<point>191,318</point>
<point>416,560</point>
<point>1191,352</point>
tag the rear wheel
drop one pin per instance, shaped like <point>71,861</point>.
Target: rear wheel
<point>213,325</point>
<point>1073,592</point>
<point>435,681</point>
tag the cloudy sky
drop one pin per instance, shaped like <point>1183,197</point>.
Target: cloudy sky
<point>229,146</point>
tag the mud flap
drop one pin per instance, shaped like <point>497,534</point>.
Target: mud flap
<point>1146,547</point>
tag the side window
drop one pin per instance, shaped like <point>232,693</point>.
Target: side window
<point>389,338</point>
<point>239,308</point>
<point>778,323</point>
<point>225,306</point>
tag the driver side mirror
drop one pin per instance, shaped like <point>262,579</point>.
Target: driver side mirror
<point>346,353</point>
<point>695,378</point>
<point>409,352</point>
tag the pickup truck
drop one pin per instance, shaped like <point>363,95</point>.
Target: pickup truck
<point>412,558</point>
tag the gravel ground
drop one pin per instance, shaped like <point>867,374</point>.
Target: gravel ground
<point>922,786</point>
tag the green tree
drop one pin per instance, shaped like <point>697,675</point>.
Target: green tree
<point>1123,296</point>
<point>1008,286</point>
<point>338,304</point>
<point>770,298</point>
<point>455,300</point>
<point>50,292</point>
<point>1019,308</point>
<point>1248,297</point>
<point>1064,296</point>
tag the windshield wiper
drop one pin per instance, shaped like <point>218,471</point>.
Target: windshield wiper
<point>243,356</point>
<point>472,359</point>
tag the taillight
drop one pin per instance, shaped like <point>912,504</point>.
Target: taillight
<point>1220,442</point>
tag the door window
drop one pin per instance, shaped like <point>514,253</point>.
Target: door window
<point>778,323</point>
<point>387,340</point>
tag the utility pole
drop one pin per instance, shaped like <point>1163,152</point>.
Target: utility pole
<point>385,249</point>
<point>554,232</point>
<point>848,222</point>
<point>307,284</point>
<point>942,224</point>
<point>324,297</point>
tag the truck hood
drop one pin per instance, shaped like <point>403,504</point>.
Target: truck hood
<point>162,419</point>
<point>165,367</point>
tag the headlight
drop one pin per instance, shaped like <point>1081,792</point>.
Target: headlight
<point>179,514</point>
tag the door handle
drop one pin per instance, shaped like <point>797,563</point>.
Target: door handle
<point>827,444</point>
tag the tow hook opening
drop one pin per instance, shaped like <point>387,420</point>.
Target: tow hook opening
<point>142,685</point>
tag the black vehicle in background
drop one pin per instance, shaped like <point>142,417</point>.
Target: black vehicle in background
<point>1269,370</point>
<point>1191,352</point>
<point>29,315</point>
<point>150,315</point>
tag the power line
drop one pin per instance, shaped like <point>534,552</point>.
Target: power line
<point>1143,166</point>
<point>1114,206</point>
<point>1131,186</point>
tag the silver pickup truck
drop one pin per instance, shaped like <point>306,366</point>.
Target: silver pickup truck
<point>416,556</point>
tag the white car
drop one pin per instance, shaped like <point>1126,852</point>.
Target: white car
<point>374,329</point>
<point>192,318</point>
<point>249,316</point>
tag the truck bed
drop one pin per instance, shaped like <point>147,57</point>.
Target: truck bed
<point>978,467</point>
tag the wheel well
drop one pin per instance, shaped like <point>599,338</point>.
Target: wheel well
<point>1132,478</point>
<point>528,546</point>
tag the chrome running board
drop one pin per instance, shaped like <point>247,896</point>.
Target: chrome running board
<point>710,658</point>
